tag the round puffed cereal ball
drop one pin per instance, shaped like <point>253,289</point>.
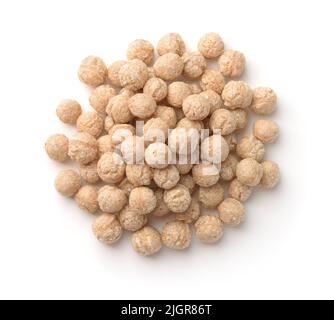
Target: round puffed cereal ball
<point>161,208</point>
<point>176,235</point>
<point>146,241</point>
<point>142,50</point>
<point>67,183</point>
<point>271,174</point>
<point>131,219</point>
<point>126,92</point>
<point>205,174</point>
<point>156,88</point>
<point>231,212</point>
<point>168,67</point>
<point>250,147</point>
<point>92,71</point>
<point>232,141</point>
<point>142,105</point>
<point>190,124</point>
<point>241,117</point>
<point>111,168</point>
<point>228,168</point>
<point>68,111</point>
<point>211,45</point>
<point>56,146</point>
<point>188,181</point>
<point>191,214</point>
<point>249,172</point>
<point>214,149</point>
<point>86,199</point>
<point>100,97</point>
<point>143,199</point>
<point>239,191</point>
<point>264,101</point>
<point>119,132</point>
<point>196,107</point>
<point>108,123</point>
<point>223,120</point>
<point>157,155</point>
<point>167,114</point>
<point>111,199</point>
<point>237,94</point>
<point>105,144</point>
<point>214,99</point>
<point>195,88</point>
<point>177,92</point>
<point>155,130</point>
<point>83,148</point>
<point>211,197</point>
<point>214,80</point>
<point>177,199</point>
<point>107,228</point>
<point>133,75</point>
<point>88,172</point>
<point>184,168</point>
<point>209,229</point>
<point>265,130</point>
<point>232,64</point>
<point>194,64</point>
<point>132,149</point>
<point>171,43</point>
<point>183,140</point>
<point>90,122</point>
<point>139,174</point>
<point>166,178</point>
<point>113,72</point>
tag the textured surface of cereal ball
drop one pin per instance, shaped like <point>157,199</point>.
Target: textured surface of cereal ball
<point>56,146</point>
<point>249,172</point>
<point>188,181</point>
<point>67,183</point>
<point>86,199</point>
<point>271,174</point>
<point>264,101</point>
<point>265,130</point>
<point>196,107</point>
<point>108,123</point>
<point>68,111</point>
<point>184,168</point>
<point>118,109</point>
<point>126,92</point>
<point>211,197</point>
<point>214,99</point>
<point>223,120</point>
<point>232,64</point>
<point>190,124</point>
<point>241,117</point>
<point>142,50</point>
<point>111,199</point>
<point>143,199</point>
<point>194,64</point>
<point>231,212</point>
<point>131,219</point>
<point>183,141</point>
<point>214,80</point>
<point>250,147</point>
<point>139,174</point>
<point>105,144</point>
<point>232,141</point>
<point>133,75</point>
<point>166,178</point>
<point>229,167</point>
<point>195,88</point>
<point>142,105</point>
<point>157,155</point>
<point>205,174</point>
<point>107,228</point>
<point>168,67</point>
<point>156,88</point>
<point>90,122</point>
<point>214,149</point>
<point>92,71</point>
<point>209,229</point>
<point>155,130</point>
<point>167,114</point>
<point>161,208</point>
<point>211,45</point>
<point>83,148</point>
<point>239,191</point>
<point>171,43</point>
<point>176,235</point>
<point>100,97</point>
<point>111,168</point>
<point>237,94</point>
<point>126,186</point>
<point>177,199</point>
<point>88,172</point>
<point>113,72</point>
<point>177,92</point>
<point>191,214</point>
<point>132,149</point>
<point>146,241</point>
<point>119,132</point>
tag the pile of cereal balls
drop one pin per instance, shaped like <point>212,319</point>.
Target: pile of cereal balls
<point>170,168</point>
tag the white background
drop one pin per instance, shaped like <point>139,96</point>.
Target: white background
<point>283,250</point>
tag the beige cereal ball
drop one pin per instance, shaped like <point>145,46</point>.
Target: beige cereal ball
<point>239,191</point>
<point>168,67</point>
<point>111,168</point>
<point>155,130</point>
<point>157,155</point>
<point>264,101</point>
<point>111,199</point>
<point>133,75</point>
<point>119,132</point>
<point>113,72</point>
<point>232,64</point>
<point>161,208</point>
<point>83,148</point>
<point>232,141</point>
<point>126,92</point>
<point>229,167</point>
<point>139,174</point>
<point>68,111</point>
<point>143,199</point>
<point>213,98</point>
<point>131,219</point>
<point>67,183</point>
<point>184,168</point>
<point>107,228</point>
<point>183,141</point>
<point>209,229</point>
<point>56,146</point>
<point>177,92</point>
<point>156,88</point>
<point>231,212</point>
<point>176,235</point>
<point>271,174</point>
<point>132,149</point>
<point>250,147</point>
<point>177,199</point>
<point>211,45</point>
<point>265,130</point>
<point>211,197</point>
<point>205,174</point>
<point>191,214</point>
<point>214,80</point>
<point>167,114</point>
<point>188,181</point>
<point>86,199</point>
<point>105,144</point>
<point>100,97</point>
<point>196,107</point>
<point>88,172</point>
<point>195,88</point>
<point>171,43</point>
<point>92,71</point>
<point>108,123</point>
<point>237,95</point>
<point>190,124</point>
<point>118,109</point>
<point>142,50</point>
<point>214,149</point>
<point>194,64</point>
<point>90,122</point>
<point>146,241</point>
<point>223,120</point>
<point>241,117</point>
<point>249,172</point>
<point>142,105</point>
<point>166,178</point>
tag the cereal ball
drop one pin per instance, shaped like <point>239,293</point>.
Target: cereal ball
<point>168,67</point>
<point>184,168</point>
<point>155,130</point>
<point>209,229</point>
<point>214,100</point>
<point>68,111</point>
<point>111,199</point>
<point>211,45</point>
<point>57,147</point>
<point>156,88</point>
<point>139,174</point>
<point>231,212</point>
<point>264,101</point>
<point>92,71</point>
<point>105,144</point>
<point>142,50</point>
<point>151,73</point>
<point>188,181</point>
<point>194,64</point>
<point>118,109</point>
<point>250,147</point>
<point>86,199</point>
<point>131,219</point>
<point>232,141</point>
<point>176,235</point>
<point>271,174</point>
<point>90,122</point>
<point>228,168</point>
<point>67,183</point>
<point>83,148</point>
<point>108,123</point>
<point>119,132</point>
<point>88,172</point>
<point>111,168</point>
<point>113,72</point>
<point>190,124</point>
<point>232,64</point>
<point>143,199</point>
<point>161,208</point>
<point>132,149</point>
<point>142,105</point>
<point>146,241</point>
<point>265,130</point>
<point>126,186</point>
<point>195,88</point>
<point>223,120</point>
<point>177,92</point>
<point>239,191</point>
<point>214,149</point>
<point>196,107</point>
<point>126,92</point>
<point>237,94</point>
<point>107,228</point>
<point>177,199</point>
<point>100,97</point>
<point>191,214</point>
<point>166,178</point>
<point>205,174</point>
<point>157,155</point>
<point>167,114</point>
<point>214,80</point>
<point>133,75</point>
<point>249,172</point>
<point>241,117</point>
<point>211,197</point>
<point>171,43</point>
<point>183,141</point>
